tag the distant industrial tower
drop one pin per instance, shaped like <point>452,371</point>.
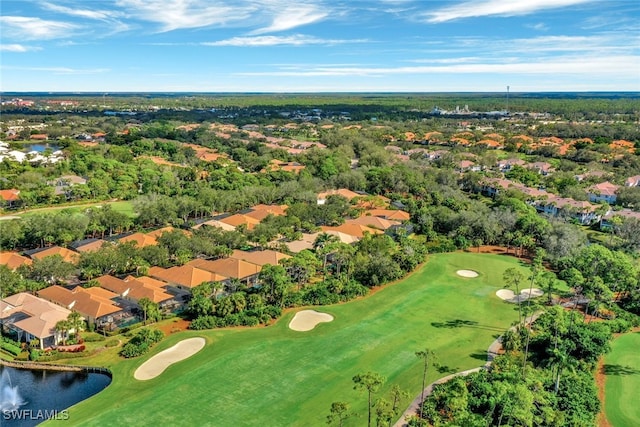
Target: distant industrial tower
<point>507,99</point>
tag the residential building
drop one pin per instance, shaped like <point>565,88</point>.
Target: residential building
<point>96,305</point>
<point>134,290</point>
<point>391,214</point>
<point>347,194</point>
<point>355,230</point>
<point>260,258</point>
<point>10,198</point>
<point>231,268</point>
<point>30,317</point>
<point>185,277</point>
<point>373,222</point>
<point>66,254</point>
<point>632,181</point>
<point>584,212</point>
<point>13,260</point>
<point>603,192</point>
<point>140,240</point>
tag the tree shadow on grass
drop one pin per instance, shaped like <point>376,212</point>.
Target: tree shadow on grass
<point>620,370</point>
<point>459,323</point>
<point>445,369</point>
<point>479,355</point>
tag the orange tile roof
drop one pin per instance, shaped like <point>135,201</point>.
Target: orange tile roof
<point>239,219</point>
<point>397,215</point>
<point>373,221</point>
<point>260,257</point>
<point>141,240</point>
<point>346,193</point>
<point>490,143</point>
<point>66,254</point>
<point>160,231</point>
<point>260,212</point>
<point>88,303</point>
<point>92,246</point>
<point>13,260</point>
<point>216,223</point>
<point>134,290</point>
<point>187,275</point>
<point>10,195</point>
<point>355,230</point>
<point>229,267</point>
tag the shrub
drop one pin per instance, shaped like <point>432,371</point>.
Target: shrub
<point>23,356</point>
<point>111,343</point>
<point>141,342</point>
<point>93,337</point>
<point>34,355</point>
<point>11,348</point>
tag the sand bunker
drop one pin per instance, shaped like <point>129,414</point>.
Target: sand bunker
<point>509,296</point>
<point>306,320</point>
<point>467,273</point>
<point>161,361</point>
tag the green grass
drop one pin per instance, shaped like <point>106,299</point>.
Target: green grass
<point>272,376</point>
<point>124,206</point>
<point>622,368</point>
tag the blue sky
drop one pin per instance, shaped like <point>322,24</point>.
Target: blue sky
<point>319,45</point>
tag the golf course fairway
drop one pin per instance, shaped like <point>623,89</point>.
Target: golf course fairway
<point>622,370</point>
<point>274,376</point>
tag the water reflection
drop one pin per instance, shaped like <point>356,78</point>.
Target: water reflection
<point>29,397</point>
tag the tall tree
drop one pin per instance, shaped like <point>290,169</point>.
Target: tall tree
<point>514,277</point>
<point>427,356</point>
<point>371,383</point>
<point>338,413</point>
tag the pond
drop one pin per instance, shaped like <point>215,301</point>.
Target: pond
<point>29,397</point>
<point>40,147</point>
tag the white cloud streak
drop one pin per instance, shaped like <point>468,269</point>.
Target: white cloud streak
<point>293,40</point>
<point>59,70</point>
<point>623,66</point>
<point>292,17</point>
<point>101,15</point>
<point>179,14</point>
<point>28,28</point>
<point>19,48</point>
<point>471,9</point>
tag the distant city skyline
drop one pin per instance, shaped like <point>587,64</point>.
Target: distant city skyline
<point>319,46</point>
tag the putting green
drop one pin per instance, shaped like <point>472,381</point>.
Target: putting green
<point>274,376</point>
<point>622,370</point>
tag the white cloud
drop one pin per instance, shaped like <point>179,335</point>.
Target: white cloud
<point>472,9</point>
<point>28,28</point>
<point>540,26</point>
<point>17,48</point>
<point>623,66</point>
<point>102,15</point>
<point>59,70</point>
<point>177,14</point>
<point>293,40</point>
<point>293,16</point>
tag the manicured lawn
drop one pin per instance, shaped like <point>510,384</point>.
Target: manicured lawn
<point>124,206</point>
<point>622,368</point>
<point>272,376</point>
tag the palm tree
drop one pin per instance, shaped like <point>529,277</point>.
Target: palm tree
<point>561,360</point>
<point>371,382</point>
<point>514,277</point>
<point>425,355</point>
<point>75,322</point>
<point>62,326</point>
<point>536,267</point>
